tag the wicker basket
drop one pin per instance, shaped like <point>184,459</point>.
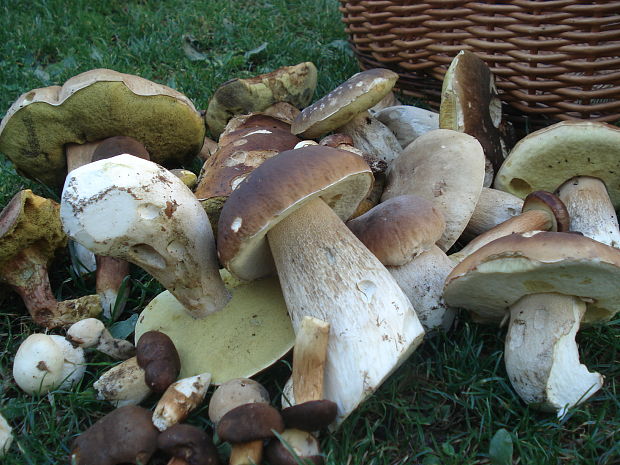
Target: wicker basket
<point>558,59</point>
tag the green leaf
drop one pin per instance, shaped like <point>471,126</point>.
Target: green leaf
<point>122,329</point>
<point>500,450</point>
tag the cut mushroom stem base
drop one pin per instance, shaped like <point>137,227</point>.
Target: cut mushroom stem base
<point>327,273</point>
<point>590,209</point>
<point>247,453</point>
<point>541,354</point>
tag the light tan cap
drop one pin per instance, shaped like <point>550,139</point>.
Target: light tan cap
<point>547,158</point>
<point>497,275</point>
<point>341,105</point>
<point>93,106</point>
<point>399,229</point>
<point>277,188</point>
<point>445,167</point>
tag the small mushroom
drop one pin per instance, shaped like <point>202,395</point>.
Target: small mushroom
<point>123,384</point>
<point>91,332</point>
<point>372,137</point>
<point>292,84</point>
<point>408,122</point>
<point>179,400</point>
<point>6,436</point>
<point>304,445</point>
<point>30,234</point>
<point>493,207</point>
<point>189,445</point>
<point>159,358</point>
<point>151,219</point>
<point>546,284</point>
<point>125,435</point>
<point>46,362</point>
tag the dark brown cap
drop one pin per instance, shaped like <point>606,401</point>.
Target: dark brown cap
<point>119,145</point>
<point>189,443</point>
<point>310,416</point>
<point>546,201</point>
<point>304,444</point>
<point>250,422</point>
<point>159,358</point>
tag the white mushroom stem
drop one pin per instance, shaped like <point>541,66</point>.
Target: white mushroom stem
<point>123,384</point>
<point>493,207</point>
<point>541,354</point>
<point>247,453</point>
<point>179,399</point>
<point>422,280</point>
<point>590,209</point>
<point>134,209</point>
<point>327,273</point>
<point>531,220</point>
<point>309,357</point>
<point>372,137</point>
<point>6,436</point>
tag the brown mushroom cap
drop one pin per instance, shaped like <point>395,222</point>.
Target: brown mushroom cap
<point>546,158</point>
<point>119,145</point>
<point>277,188</point>
<point>497,275</point>
<point>125,435</point>
<point>93,106</point>
<point>341,105</point>
<point>250,422</point>
<point>305,446</point>
<point>189,443</point>
<point>546,201</point>
<point>232,394</point>
<point>398,229</point>
<point>159,358</point>
<point>310,416</point>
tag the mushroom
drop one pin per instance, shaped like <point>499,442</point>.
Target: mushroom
<point>46,362</point>
<point>470,104</point>
<point>292,84</point>
<point>188,445</point>
<point>250,334</point>
<point>408,122</point>
<point>123,384</point>
<point>6,436</point>
<point>30,234</point>
<point>179,399</point>
<point>235,392</point>
<point>294,446</point>
<point>246,427</point>
<point>493,207</point>
<point>91,332</point>
<point>151,219</point>
<point>293,206</point>
<point>125,435</point>
<point>546,284</point>
<point>541,211</point>
<point>159,359</point>
<point>354,96</point>
<point>445,167</point>
<point>373,137</point>
<point>91,107</point>
<point>579,159</point>
<point>402,232</point>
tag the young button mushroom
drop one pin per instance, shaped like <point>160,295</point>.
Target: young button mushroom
<point>91,332</point>
<point>91,107</point>
<point>30,234</point>
<point>445,167</point>
<point>188,445</point>
<point>292,84</point>
<point>546,283</point>
<point>250,334</point>
<point>354,96</point>
<point>470,104</point>
<point>293,206</point>
<point>46,362</point>
<point>179,400</point>
<point>579,159</point>
<point>136,210</point>
<point>541,211</point>
<point>123,384</point>
<point>125,435</point>
<point>159,358</point>
<point>402,232</point>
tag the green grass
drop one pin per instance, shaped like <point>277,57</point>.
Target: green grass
<point>444,405</point>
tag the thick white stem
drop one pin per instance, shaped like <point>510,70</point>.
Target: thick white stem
<point>422,280</point>
<point>541,354</point>
<point>327,273</point>
<point>590,209</point>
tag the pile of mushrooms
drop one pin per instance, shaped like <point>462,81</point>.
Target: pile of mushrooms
<point>342,226</point>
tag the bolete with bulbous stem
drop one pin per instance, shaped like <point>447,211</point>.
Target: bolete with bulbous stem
<point>136,210</point>
<point>30,234</point>
<point>546,284</point>
<point>292,208</point>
